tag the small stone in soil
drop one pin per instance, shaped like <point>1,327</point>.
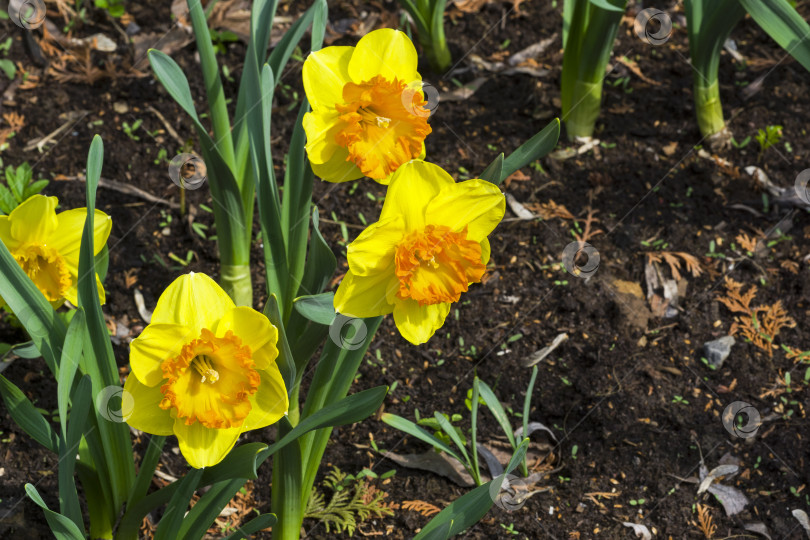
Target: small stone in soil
<point>717,350</point>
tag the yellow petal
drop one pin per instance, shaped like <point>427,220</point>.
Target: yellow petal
<point>365,296</point>
<point>68,236</point>
<point>321,129</point>
<point>418,323</point>
<point>34,220</point>
<point>202,446</point>
<point>337,168</point>
<point>146,414</point>
<point>476,204</point>
<point>157,342</point>
<point>485,250</point>
<point>270,401</point>
<point>384,52</point>
<point>373,251</point>
<point>325,73</point>
<point>412,188</point>
<point>5,234</point>
<point>193,300</point>
<point>255,330</point>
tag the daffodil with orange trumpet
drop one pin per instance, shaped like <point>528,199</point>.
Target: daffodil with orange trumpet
<point>368,109</point>
<point>46,245</point>
<point>205,371</point>
<point>429,245</point>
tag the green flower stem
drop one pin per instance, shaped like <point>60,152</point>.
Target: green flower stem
<point>708,107</point>
<point>235,280</point>
<point>586,102</point>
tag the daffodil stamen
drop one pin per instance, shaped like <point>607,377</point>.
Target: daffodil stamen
<point>203,366</point>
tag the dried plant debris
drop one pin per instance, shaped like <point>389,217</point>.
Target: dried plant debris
<point>424,508</point>
<point>759,324</point>
<point>705,522</point>
<point>641,530</point>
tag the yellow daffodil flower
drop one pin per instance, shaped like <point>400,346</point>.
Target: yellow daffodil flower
<point>429,245</point>
<point>46,245</point>
<point>205,371</point>
<point>368,109</point>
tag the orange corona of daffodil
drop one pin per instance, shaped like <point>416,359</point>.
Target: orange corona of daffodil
<point>429,245</point>
<point>46,245</point>
<point>205,371</point>
<point>368,109</point>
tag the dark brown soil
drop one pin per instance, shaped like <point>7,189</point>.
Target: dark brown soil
<point>630,401</point>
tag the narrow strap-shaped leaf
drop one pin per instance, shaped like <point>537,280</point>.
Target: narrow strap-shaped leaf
<point>228,210</point>
<point>173,518</point>
<point>71,353</point>
<point>68,497</point>
<point>538,146</point>
<point>468,509</point>
<point>783,23</point>
<point>258,124</point>
<point>284,49</point>
<point>147,469</point>
<point>497,410</point>
<point>321,261</point>
<point>239,463</point>
<point>205,511</point>
<point>474,432</point>
<point>27,416</point>
<point>494,171</point>
<point>451,432</point>
<point>295,208</point>
<point>285,360</point>
<point>253,526</point>
<point>213,84</point>
<point>419,19</point>
<point>61,527</point>
<point>349,410</point>
<point>406,426</point>
<point>99,361</point>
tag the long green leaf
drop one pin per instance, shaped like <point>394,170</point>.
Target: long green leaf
<point>71,352</point>
<point>468,509</point>
<point>173,518</point>
<point>27,417</point>
<point>147,469</point>
<point>253,526</point>
<point>99,361</point>
<point>495,406</point>
<point>61,527</point>
<point>205,511</point>
<point>68,497</point>
<point>538,146</point>
<point>349,410</point>
<point>285,360</point>
<point>783,23</point>
<point>239,463</point>
<point>406,426</point>
<point>494,171</point>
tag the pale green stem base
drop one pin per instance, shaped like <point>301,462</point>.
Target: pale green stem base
<point>586,101</point>
<point>708,108</point>
<point>236,282</point>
